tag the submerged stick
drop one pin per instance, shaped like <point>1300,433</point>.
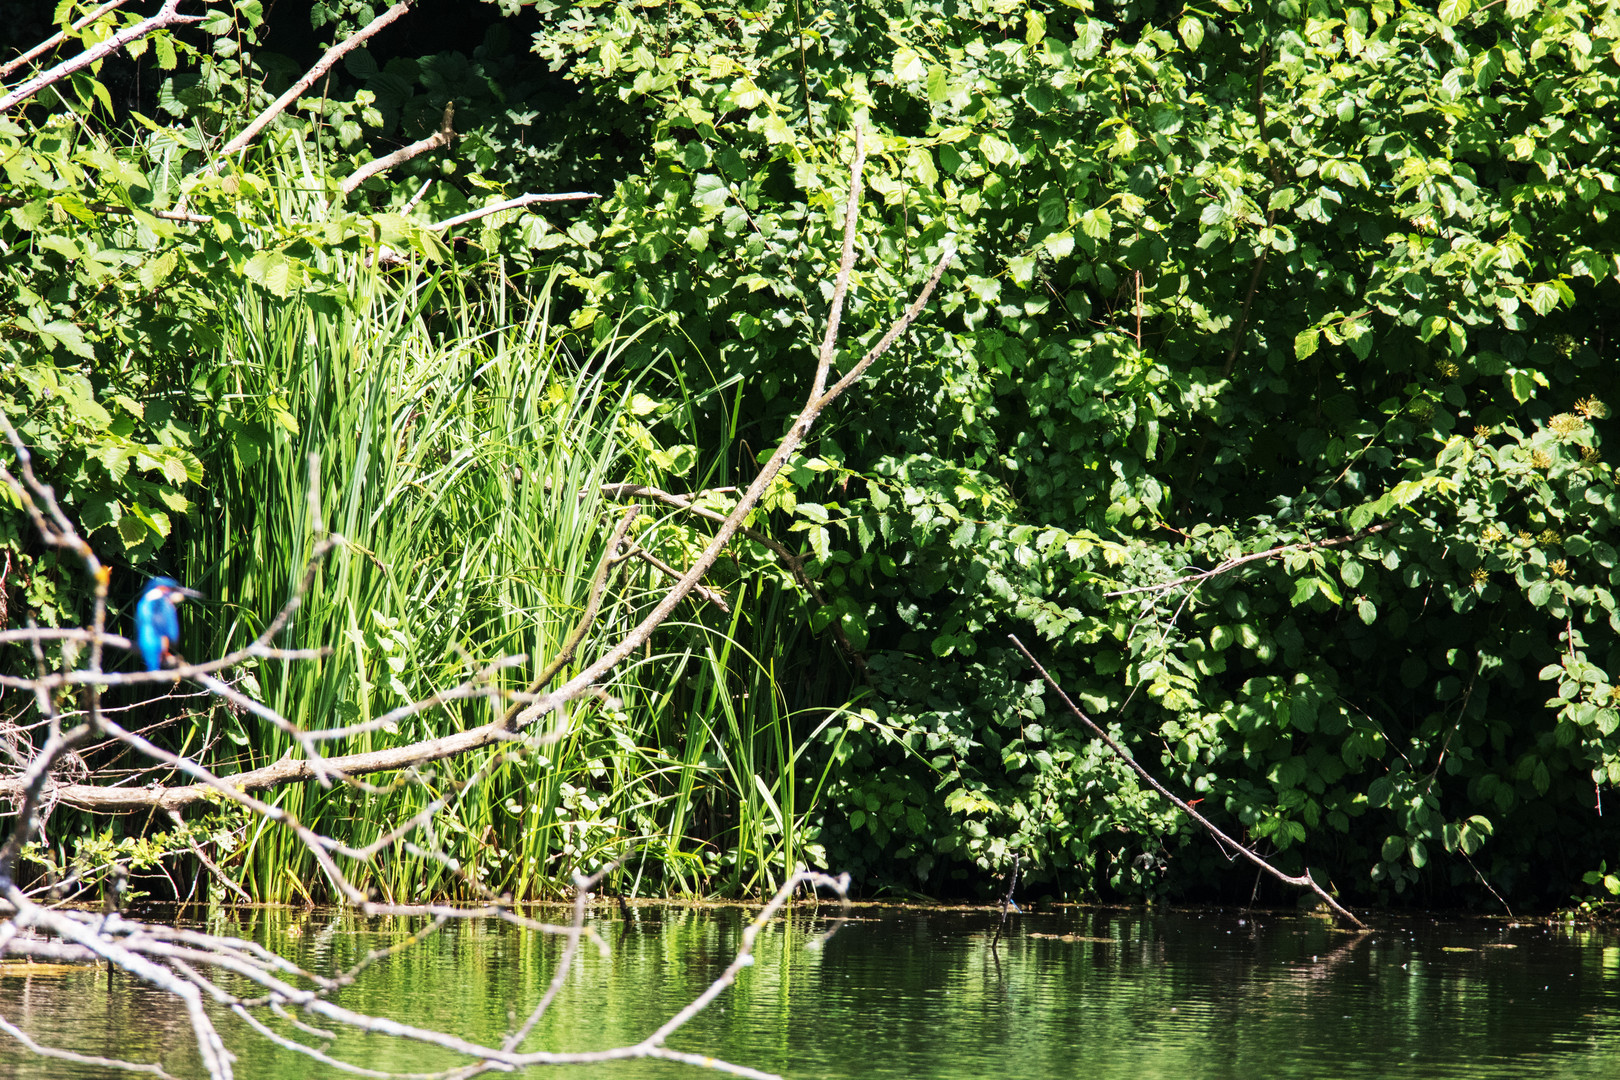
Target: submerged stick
<point>1007,902</point>
<point>1304,881</point>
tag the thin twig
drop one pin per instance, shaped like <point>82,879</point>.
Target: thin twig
<point>1271,221</point>
<point>81,1059</point>
<point>439,138</point>
<point>795,435</point>
<point>106,208</point>
<point>1007,902</point>
<point>593,604</point>
<point>212,867</point>
<point>713,596</point>
<point>511,204</point>
<point>1304,881</point>
<point>203,969</point>
<point>1139,309</point>
<point>1269,553</point>
<point>793,564</point>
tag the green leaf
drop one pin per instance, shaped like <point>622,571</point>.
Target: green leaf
<point>908,66</point>
<point>360,63</point>
<point>131,530</point>
<point>1543,298</point>
<point>1305,343</point>
<point>1326,587</point>
<point>1058,245</point>
<point>1451,13</point>
<point>1191,31</point>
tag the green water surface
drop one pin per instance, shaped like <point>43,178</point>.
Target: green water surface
<point>1091,994</point>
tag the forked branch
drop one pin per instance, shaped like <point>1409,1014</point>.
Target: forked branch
<point>818,402</point>
<point>57,38</point>
<point>166,16</point>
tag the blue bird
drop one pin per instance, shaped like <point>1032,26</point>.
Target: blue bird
<point>157,623</point>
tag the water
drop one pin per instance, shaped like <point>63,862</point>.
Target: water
<point>920,994</point>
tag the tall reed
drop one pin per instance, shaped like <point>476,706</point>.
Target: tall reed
<point>462,447</point>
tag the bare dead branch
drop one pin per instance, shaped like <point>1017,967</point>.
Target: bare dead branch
<point>208,863</point>
<point>168,958</point>
<point>712,596</point>
<point>481,684</point>
<point>410,204</point>
<point>582,895</point>
<point>593,604</point>
<point>511,204</point>
<point>110,208</point>
<point>258,648</point>
<point>1304,881</point>
<point>790,442</point>
<point>165,17</point>
<point>80,1059</point>
<point>792,563</point>
<point>193,966</point>
<point>246,1016</point>
<point>439,138</point>
<point>216,1059</point>
<point>688,503</point>
<point>275,719</point>
<point>110,800</point>
<point>745,956</point>
<point>104,799</point>
<point>57,38</point>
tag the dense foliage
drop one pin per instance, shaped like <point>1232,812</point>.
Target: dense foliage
<point>1234,279</point>
<point>1267,400</point>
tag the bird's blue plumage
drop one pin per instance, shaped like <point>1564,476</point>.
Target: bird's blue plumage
<point>157,623</point>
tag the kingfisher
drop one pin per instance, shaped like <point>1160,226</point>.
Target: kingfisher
<point>157,623</point>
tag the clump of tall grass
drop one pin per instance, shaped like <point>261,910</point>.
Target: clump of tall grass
<point>462,448</point>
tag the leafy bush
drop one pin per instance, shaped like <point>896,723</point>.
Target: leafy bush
<point>1277,278</point>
